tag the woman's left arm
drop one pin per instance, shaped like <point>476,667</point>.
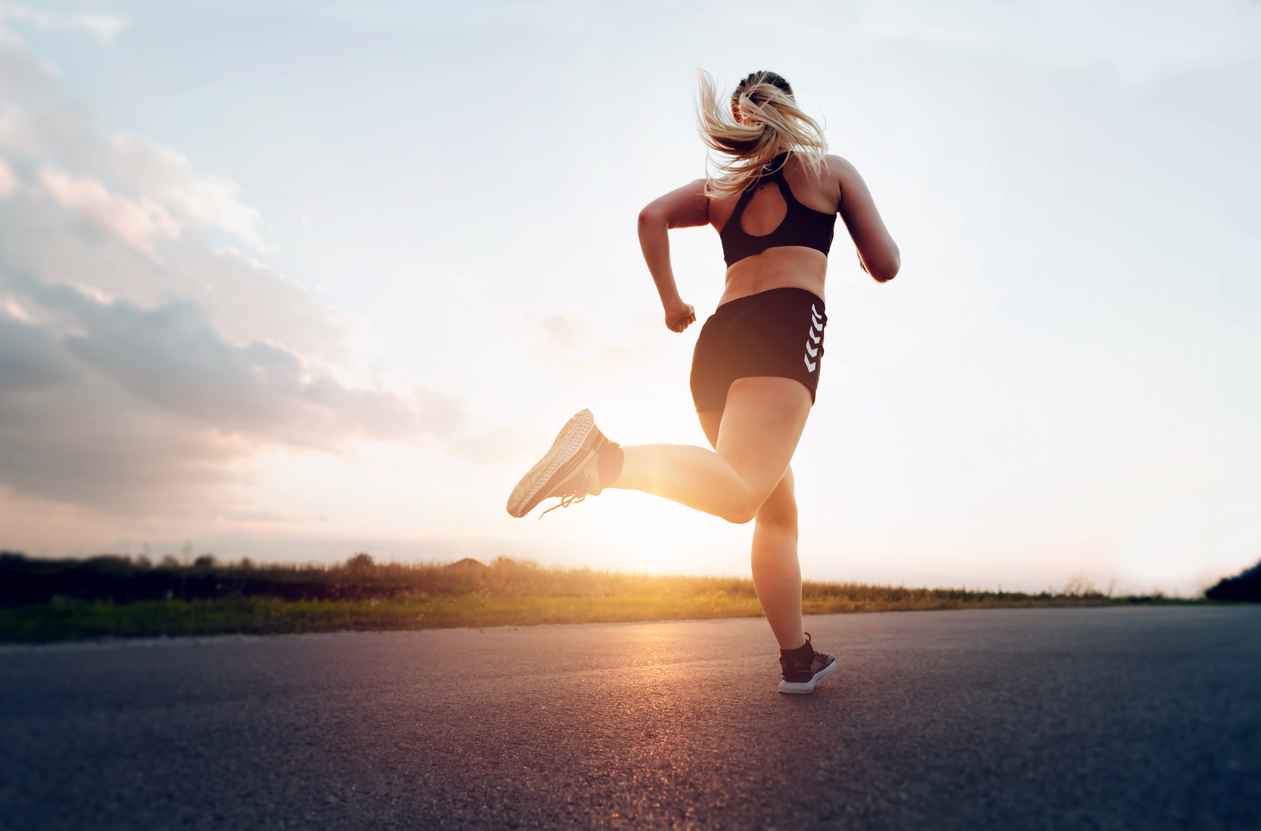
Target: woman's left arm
<point>681,208</point>
<point>878,254</point>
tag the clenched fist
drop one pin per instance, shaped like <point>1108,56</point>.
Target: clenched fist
<point>680,317</point>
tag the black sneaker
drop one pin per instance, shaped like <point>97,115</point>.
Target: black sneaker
<point>803,668</point>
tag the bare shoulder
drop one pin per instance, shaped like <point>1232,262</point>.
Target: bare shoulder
<point>850,185</point>
<point>837,164</point>
<point>682,207</point>
<point>842,169</point>
<point>836,172</point>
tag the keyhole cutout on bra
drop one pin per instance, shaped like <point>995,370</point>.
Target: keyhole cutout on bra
<point>764,212</point>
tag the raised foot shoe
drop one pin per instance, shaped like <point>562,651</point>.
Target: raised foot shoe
<point>804,668</point>
<point>571,469</point>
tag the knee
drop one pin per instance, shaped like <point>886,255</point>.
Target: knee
<point>740,514</point>
<point>779,512</point>
<point>742,509</point>
<point>776,509</point>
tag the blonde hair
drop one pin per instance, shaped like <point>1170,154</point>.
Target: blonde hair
<point>772,124</point>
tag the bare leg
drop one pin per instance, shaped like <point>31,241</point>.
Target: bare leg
<point>694,476</point>
<point>776,572</point>
<point>760,428</point>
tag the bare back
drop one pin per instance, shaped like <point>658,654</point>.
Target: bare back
<point>785,266</point>
<point>838,188</point>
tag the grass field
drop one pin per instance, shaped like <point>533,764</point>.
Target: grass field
<point>362,595</point>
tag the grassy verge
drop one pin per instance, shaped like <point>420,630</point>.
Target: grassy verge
<point>674,598</point>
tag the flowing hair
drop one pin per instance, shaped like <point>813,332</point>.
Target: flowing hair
<point>772,124</point>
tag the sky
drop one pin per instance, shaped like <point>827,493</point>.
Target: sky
<point>295,280</point>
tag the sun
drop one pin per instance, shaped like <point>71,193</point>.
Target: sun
<point>625,530</point>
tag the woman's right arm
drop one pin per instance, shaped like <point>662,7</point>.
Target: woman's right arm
<point>877,252</point>
<point>681,208</point>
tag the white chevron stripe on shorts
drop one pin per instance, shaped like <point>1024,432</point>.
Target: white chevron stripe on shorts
<point>814,335</point>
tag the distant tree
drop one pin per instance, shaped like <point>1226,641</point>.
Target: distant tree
<point>1244,586</point>
<point>169,561</point>
<point>1080,586</point>
<point>204,561</point>
<point>247,564</point>
<point>360,562</point>
<point>143,562</point>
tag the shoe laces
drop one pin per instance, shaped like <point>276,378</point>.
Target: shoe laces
<point>585,483</point>
<point>565,502</point>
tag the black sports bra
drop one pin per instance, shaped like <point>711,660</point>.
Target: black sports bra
<point>801,225</point>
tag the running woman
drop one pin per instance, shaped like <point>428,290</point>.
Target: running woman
<point>756,364</point>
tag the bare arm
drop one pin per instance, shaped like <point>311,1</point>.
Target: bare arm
<point>877,252</point>
<point>682,208</point>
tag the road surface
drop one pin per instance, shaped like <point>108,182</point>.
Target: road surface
<point>1059,718</point>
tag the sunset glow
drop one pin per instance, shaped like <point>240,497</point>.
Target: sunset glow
<point>328,286</point>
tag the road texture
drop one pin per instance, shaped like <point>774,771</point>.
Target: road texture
<point>1096,718</point>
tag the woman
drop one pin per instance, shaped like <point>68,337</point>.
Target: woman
<point>756,365</point>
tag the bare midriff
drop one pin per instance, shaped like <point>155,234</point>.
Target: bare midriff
<point>789,266</point>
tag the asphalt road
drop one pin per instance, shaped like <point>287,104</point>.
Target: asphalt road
<point>1102,718</point>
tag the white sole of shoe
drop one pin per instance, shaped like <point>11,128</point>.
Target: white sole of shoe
<point>807,687</point>
<point>571,449</point>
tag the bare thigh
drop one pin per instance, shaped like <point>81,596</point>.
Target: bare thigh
<point>758,432</point>
<point>780,507</point>
<point>711,420</point>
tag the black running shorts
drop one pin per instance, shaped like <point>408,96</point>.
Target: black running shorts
<point>777,332</point>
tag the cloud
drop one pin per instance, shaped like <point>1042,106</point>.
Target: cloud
<point>71,437</point>
<point>8,181</point>
<point>208,201</point>
<point>171,359</point>
<point>134,219</point>
<point>147,354</point>
<point>103,27</point>
<point>29,357</point>
<point>139,224</point>
<point>84,444</point>
<point>114,403</point>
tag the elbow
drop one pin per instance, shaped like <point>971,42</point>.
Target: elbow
<point>649,218</point>
<point>887,268</point>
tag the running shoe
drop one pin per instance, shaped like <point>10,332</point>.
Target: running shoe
<point>569,470</point>
<point>804,668</point>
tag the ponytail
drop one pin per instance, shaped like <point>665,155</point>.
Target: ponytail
<point>772,123</point>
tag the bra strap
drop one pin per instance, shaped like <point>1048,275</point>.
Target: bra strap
<point>741,203</point>
<point>774,174</point>
<point>777,176</point>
